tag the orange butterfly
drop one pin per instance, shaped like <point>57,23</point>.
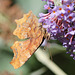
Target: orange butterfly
<point>27,27</point>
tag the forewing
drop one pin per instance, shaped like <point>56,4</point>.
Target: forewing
<point>27,27</point>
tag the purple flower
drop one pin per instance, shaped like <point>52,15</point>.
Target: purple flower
<point>60,23</point>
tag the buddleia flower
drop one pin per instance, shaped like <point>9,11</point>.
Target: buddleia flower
<point>60,22</point>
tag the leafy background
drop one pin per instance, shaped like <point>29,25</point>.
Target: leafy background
<point>14,9</point>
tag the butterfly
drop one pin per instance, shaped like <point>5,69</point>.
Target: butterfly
<point>28,28</point>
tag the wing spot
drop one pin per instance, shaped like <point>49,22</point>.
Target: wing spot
<point>25,36</point>
<point>21,47</point>
<point>19,26</point>
<point>15,49</point>
<point>19,44</point>
<point>23,24</point>
<point>29,28</point>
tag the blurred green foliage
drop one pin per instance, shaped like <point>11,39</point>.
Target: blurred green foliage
<point>35,5</point>
<point>56,51</point>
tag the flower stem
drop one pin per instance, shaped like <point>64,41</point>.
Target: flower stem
<point>44,59</point>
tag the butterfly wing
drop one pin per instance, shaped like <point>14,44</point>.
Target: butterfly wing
<point>27,27</point>
<point>24,49</point>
